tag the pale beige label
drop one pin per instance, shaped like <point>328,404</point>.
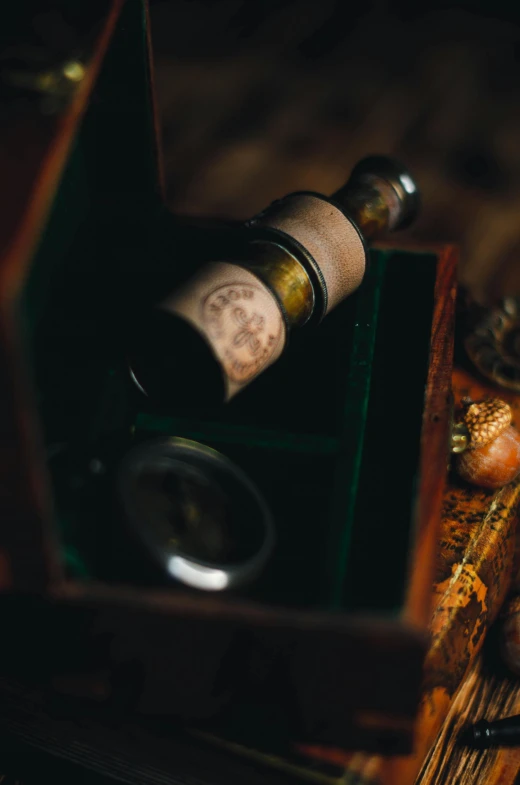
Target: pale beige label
<point>239,318</point>
<point>328,235</point>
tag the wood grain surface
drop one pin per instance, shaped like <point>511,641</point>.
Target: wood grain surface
<point>485,694</point>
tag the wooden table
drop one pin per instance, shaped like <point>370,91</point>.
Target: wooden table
<point>487,693</point>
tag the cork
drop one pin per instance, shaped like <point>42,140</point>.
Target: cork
<point>328,235</point>
<point>238,317</point>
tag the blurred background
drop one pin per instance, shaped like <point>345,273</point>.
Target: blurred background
<point>261,97</point>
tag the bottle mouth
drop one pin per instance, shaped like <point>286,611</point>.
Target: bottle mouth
<point>406,206</point>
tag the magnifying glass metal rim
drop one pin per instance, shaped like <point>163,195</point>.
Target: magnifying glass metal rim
<point>188,570</point>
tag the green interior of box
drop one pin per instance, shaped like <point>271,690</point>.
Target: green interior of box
<point>330,434</point>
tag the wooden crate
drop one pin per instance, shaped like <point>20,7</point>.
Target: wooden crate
<point>347,438</point>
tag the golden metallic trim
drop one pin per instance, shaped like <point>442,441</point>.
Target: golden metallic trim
<point>286,277</point>
<point>368,207</point>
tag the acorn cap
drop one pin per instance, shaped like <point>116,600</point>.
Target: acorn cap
<point>485,420</point>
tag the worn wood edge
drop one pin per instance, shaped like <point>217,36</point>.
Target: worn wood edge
<point>157,124</point>
<point>165,602</point>
<point>435,437</point>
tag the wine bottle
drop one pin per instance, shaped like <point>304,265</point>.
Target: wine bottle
<point>303,255</point>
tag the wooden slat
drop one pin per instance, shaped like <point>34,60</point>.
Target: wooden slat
<point>434,441</point>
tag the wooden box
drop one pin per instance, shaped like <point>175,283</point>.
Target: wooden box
<point>346,437</point>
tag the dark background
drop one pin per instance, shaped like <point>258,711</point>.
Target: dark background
<point>261,98</point>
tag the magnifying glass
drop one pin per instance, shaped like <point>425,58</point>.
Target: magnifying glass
<point>198,515</point>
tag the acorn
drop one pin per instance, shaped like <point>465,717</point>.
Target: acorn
<point>487,445</point>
